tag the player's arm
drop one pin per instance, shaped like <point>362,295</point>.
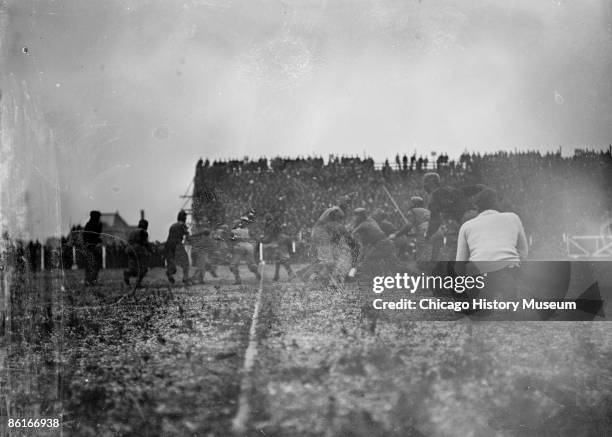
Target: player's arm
<point>405,230</point>
<point>266,238</point>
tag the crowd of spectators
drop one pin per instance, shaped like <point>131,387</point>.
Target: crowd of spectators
<point>554,195</point>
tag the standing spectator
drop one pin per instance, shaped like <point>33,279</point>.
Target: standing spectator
<point>92,240</point>
<point>175,251</point>
<point>419,164</point>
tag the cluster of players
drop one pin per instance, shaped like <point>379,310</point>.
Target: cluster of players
<point>234,245</point>
<point>445,226</point>
<point>462,224</point>
<point>209,249</point>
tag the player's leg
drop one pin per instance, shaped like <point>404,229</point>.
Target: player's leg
<point>143,267</point>
<point>141,275</point>
<point>90,261</point>
<point>288,268</point>
<point>97,263</point>
<point>234,263</point>
<point>206,265</point>
<point>283,258</point>
<point>170,263</point>
<point>198,264</point>
<point>201,265</point>
<point>250,260</point>
<point>183,262</point>
<point>212,269</point>
<point>326,264</point>
<point>132,267</point>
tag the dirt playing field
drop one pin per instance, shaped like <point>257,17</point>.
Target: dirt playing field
<point>171,361</point>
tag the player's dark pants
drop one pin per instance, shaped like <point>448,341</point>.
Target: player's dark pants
<point>176,255</point>
<point>203,264</point>
<point>93,262</point>
<point>281,259</point>
<point>242,251</point>
<point>378,259</point>
<point>138,263</point>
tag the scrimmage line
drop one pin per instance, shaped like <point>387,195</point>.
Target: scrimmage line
<point>240,421</point>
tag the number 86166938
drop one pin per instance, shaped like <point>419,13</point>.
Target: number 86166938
<point>33,423</point>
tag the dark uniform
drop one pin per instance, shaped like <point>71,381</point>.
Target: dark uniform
<point>221,251</point>
<point>282,255</point>
<point>92,240</point>
<point>376,257</point>
<point>203,248</point>
<point>447,206</point>
<point>381,218</point>
<point>281,243</point>
<point>139,253</point>
<point>175,251</point>
<point>377,253</point>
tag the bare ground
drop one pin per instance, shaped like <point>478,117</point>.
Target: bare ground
<point>169,361</point>
<point>321,372</point>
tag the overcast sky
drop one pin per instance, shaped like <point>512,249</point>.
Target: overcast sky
<point>131,93</point>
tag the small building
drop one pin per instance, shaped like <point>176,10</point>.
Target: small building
<point>114,228</point>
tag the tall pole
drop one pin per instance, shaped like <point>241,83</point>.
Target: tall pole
<point>395,204</point>
<point>74,260</point>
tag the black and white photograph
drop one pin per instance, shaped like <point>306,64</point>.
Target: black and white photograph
<point>306,218</point>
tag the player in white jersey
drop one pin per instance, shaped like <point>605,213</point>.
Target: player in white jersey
<point>242,249</point>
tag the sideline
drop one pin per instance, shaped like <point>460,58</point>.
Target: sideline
<point>241,420</point>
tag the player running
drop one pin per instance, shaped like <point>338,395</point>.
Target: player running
<point>203,248</point>
<point>242,249</point>
<point>275,238</point>
<point>139,253</point>
<point>175,251</point>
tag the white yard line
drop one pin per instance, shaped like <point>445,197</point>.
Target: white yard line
<point>241,420</point>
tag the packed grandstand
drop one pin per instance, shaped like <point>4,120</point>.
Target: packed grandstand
<point>555,196</point>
